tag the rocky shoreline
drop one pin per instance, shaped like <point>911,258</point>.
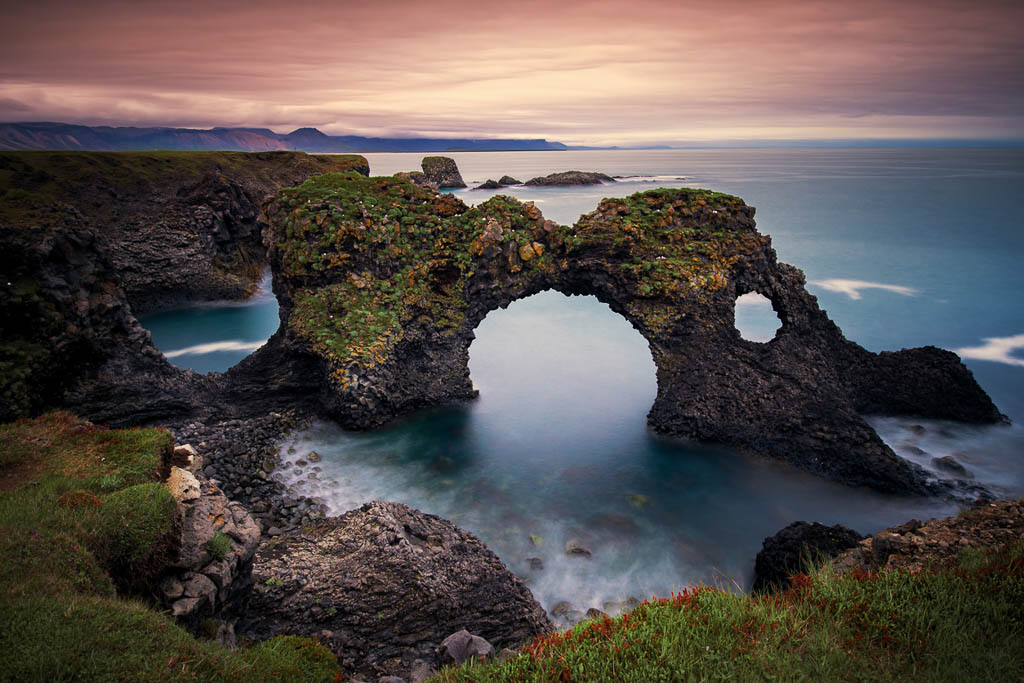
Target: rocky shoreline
<point>72,340</point>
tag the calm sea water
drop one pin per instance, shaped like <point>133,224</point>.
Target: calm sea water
<point>903,247</point>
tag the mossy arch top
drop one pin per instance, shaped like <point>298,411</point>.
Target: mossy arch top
<point>381,284</point>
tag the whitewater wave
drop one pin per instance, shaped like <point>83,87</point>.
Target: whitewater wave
<point>852,288</point>
<point>997,349</point>
<point>214,347</point>
<point>652,178</point>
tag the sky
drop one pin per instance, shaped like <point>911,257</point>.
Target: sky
<point>629,72</point>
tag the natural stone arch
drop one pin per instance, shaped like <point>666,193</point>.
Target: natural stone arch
<point>381,284</point>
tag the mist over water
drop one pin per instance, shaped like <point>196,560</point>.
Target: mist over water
<point>903,247</point>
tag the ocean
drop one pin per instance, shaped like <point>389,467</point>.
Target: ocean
<point>902,246</point>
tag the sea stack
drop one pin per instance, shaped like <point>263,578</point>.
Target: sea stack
<point>443,172</point>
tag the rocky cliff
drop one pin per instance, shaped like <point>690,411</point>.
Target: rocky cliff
<point>381,284</point>
<point>87,240</point>
<point>179,226</point>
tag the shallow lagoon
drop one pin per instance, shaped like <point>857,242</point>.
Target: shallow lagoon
<point>902,246</point>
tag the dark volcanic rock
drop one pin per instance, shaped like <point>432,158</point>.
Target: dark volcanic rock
<point>786,553</point>
<point>508,180</point>
<point>443,172</point>
<point>672,262</point>
<point>389,582</point>
<point>570,178</point>
<point>178,227</point>
<point>916,546</point>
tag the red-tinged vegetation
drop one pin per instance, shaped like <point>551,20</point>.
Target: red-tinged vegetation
<point>965,623</point>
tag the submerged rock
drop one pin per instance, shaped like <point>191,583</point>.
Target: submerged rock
<point>389,582</point>
<point>950,464</point>
<point>443,172</point>
<point>570,178</point>
<point>787,552</point>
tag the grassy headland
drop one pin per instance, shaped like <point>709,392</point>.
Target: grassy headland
<point>82,520</point>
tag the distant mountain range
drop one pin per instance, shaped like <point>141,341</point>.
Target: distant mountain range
<point>69,136</point>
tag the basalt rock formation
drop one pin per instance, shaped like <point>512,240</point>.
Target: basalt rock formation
<point>570,178</point>
<point>89,239</point>
<point>788,551</point>
<point>443,172</point>
<point>180,227</point>
<point>381,284</point>
<point>915,545</point>
<point>384,585</point>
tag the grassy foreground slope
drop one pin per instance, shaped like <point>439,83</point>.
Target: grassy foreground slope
<point>963,624</point>
<point>82,520</point>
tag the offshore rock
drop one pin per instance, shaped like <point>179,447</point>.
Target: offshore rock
<point>787,552</point>
<point>570,178</point>
<point>382,283</point>
<point>508,180</point>
<point>443,172</point>
<point>489,185</point>
<point>389,582</point>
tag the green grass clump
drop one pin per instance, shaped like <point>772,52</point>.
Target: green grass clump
<point>219,545</point>
<point>131,524</point>
<point>82,521</point>
<point>955,624</point>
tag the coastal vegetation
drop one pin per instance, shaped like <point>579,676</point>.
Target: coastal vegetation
<point>84,522</point>
<point>950,624</point>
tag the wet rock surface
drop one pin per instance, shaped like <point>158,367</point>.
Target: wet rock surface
<point>787,552</point>
<point>917,545</point>
<point>388,584</point>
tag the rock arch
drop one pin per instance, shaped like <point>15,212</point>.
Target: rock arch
<point>381,284</point>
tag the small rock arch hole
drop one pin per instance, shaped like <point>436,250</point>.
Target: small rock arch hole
<point>756,319</point>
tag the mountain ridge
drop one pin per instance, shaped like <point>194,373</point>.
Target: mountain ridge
<point>47,135</point>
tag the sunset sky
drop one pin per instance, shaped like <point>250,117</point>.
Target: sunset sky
<point>629,73</point>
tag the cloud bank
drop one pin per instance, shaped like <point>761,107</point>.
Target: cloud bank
<point>588,72</point>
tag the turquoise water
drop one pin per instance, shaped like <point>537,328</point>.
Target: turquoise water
<point>903,247</point>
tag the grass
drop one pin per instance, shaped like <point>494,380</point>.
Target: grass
<point>218,546</point>
<point>955,624</point>
<point>32,178</point>
<point>82,523</point>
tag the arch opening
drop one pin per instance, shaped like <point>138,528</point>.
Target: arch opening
<point>553,361</point>
<point>755,318</point>
<point>215,336</point>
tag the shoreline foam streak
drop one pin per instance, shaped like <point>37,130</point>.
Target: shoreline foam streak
<point>214,347</point>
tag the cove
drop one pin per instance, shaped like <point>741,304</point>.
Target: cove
<point>556,448</point>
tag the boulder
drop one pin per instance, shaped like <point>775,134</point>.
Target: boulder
<point>508,180</point>
<point>577,548</point>
<point>951,465</point>
<point>183,485</point>
<point>443,172</point>
<point>389,582</point>
<point>462,646</point>
<point>786,553</point>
